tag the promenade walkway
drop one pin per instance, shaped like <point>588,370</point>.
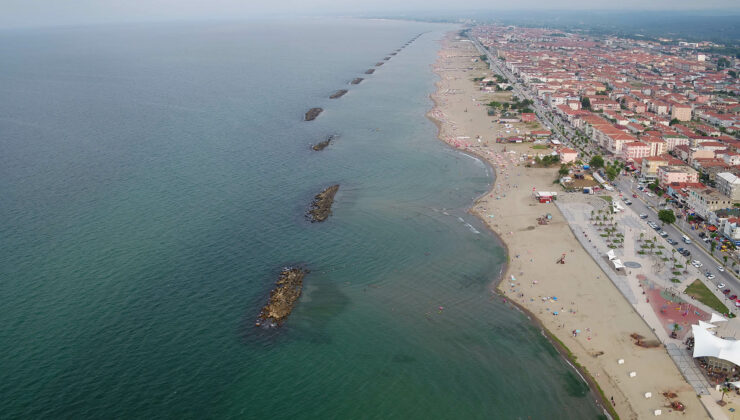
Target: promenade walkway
<point>577,211</point>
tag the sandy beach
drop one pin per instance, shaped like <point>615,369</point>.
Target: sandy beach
<point>575,296</point>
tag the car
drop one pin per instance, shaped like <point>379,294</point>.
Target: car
<point>732,297</point>
<point>720,268</point>
<point>696,263</point>
<point>721,285</point>
<point>627,202</point>
<point>671,241</point>
<point>710,276</point>
<point>702,234</point>
<point>726,292</point>
<point>650,194</point>
<point>737,303</point>
<point>634,195</point>
<point>680,250</point>
<point>663,233</point>
<point>643,216</point>
<point>686,253</point>
<point>707,239</point>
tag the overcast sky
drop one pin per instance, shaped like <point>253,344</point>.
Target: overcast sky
<point>19,13</point>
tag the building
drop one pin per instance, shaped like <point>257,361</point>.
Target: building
<point>528,117</point>
<point>705,201</point>
<point>567,155</point>
<point>681,112</point>
<point>731,229</point>
<point>635,150</point>
<point>668,175</point>
<point>729,185</point>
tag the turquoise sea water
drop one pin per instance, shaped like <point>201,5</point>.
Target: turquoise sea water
<point>153,182</point>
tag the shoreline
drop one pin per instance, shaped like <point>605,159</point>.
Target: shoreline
<point>575,305</point>
<point>494,286</point>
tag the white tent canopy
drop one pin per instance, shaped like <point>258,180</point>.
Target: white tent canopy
<point>717,318</point>
<point>618,264</point>
<point>706,344</point>
<point>706,325</point>
<point>611,255</point>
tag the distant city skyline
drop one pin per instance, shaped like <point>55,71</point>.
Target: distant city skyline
<point>20,13</point>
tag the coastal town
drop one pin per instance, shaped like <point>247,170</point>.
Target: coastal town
<point>618,198</point>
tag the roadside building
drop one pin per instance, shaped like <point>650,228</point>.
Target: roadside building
<point>707,200</point>
<point>729,185</point>
<point>676,174</point>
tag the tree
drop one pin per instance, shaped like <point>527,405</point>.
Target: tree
<point>596,162</point>
<point>667,216</point>
<point>674,121</point>
<point>585,103</point>
<point>712,247</point>
<point>563,170</point>
<point>611,173</point>
<point>732,73</point>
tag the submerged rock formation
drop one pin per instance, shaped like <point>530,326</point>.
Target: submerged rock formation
<point>386,58</point>
<point>357,81</point>
<point>322,145</point>
<point>321,206</point>
<point>313,113</point>
<point>370,71</point>
<point>283,298</point>
<point>338,94</point>
<point>379,63</point>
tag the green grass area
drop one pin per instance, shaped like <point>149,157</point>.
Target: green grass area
<point>539,147</point>
<point>675,280</point>
<point>702,293</point>
<point>607,198</point>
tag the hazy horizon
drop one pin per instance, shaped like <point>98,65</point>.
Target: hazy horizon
<point>19,13</point>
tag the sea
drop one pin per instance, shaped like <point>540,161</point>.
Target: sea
<point>154,181</point>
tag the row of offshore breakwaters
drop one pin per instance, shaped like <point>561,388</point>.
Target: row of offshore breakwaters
<point>284,296</point>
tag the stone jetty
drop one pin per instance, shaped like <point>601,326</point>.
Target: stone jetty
<point>283,298</point>
<point>313,113</point>
<point>322,145</point>
<point>338,94</point>
<point>321,206</point>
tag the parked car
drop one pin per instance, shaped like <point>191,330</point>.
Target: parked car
<point>643,216</point>
<point>634,195</point>
<point>732,297</point>
<point>702,234</point>
<point>671,241</point>
<point>726,291</point>
<point>686,253</point>
<point>737,303</point>
<point>721,285</point>
<point>720,268</point>
<point>696,263</point>
<point>709,275</point>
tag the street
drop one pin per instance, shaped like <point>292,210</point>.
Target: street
<point>699,250</point>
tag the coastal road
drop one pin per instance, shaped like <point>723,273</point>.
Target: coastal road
<point>552,121</point>
<point>646,205</point>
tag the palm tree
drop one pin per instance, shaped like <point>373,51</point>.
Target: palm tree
<point>724,258</point>
<point>641,235</point>
<point>724,391</point>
